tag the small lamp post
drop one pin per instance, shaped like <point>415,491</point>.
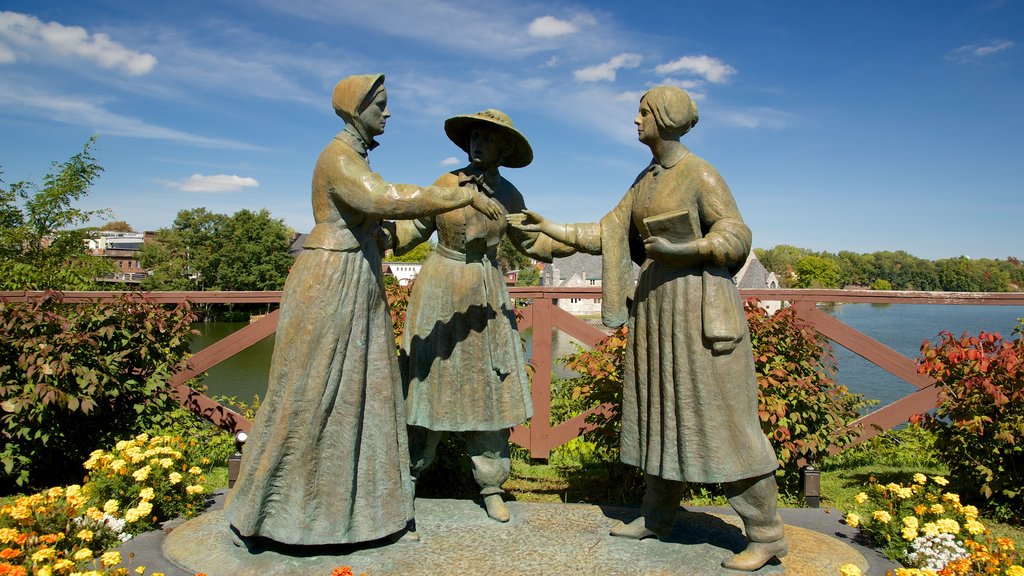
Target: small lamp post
<point>811,486</point>
<point>235,460</point>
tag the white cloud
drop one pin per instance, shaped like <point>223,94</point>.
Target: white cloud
<point>215,183</point>
<point>79,111</point>
<point>551,27</point>
<point>710,68</point>
<point>607,70</point>
<point>450,161</point>
<point>52,38</point>
<point>974,52</point>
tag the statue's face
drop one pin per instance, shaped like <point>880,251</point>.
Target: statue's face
<point>486,148</point>
<point>376,115</point>
<point>646,127</point>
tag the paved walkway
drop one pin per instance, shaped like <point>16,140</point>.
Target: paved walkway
<point>541,539</point>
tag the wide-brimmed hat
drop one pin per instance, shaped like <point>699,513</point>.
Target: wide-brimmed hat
<point>459,129</point>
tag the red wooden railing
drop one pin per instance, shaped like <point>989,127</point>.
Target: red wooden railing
<point>540,436</point>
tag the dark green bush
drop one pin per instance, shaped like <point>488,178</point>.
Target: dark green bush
<point>76,377</point>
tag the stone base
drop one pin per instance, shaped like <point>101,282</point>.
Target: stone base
<point>457,537</point>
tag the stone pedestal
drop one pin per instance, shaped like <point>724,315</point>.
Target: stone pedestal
<point>541,539</point>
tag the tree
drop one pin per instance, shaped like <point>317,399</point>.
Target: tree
<point>42,244</point>
<point>817,272</point>
<point>782,259</point>
<point>203,250</point>
<point>419,253</point>
<point>509,257</point>
<point>117,226</point>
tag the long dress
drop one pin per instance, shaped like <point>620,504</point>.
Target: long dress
<point>689,406</point>
<point>327,461</point>
<point>463,351</point>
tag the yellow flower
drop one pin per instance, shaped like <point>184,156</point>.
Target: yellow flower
<point>970,512</point>
<point>853,520</point>
<point>118,466</point>
<point>144,508</point>
<point>849,570</point>
<point>84,534</point>
<point>146,494</point>
<point>882,516</point>
<point>121,445</point>
<point>43,554</point>
<point>936,509</point>
<point>930,529</point>
<point>904,493</point>
<point>44,571</point>
<point>142,438</point>
<point>195,470</point>
<point>174,478</point>
<point>948,526</point>
<point>950,497</point>
<point>1015,570</point>
<point>131,515</point>
<point>141,474</point>
<point>974,527</point>
<point>940,480</point>
<point>111,506</point>
<point>94,513</point>
<point>195,489</point>
<point>920,478</point>
<point>909,533</point>
<point>73,490</point>
<point>140,570</point>
<point>111,559</point>
<point>860,499</point>
<point>19,512</point>
<point>63,565</point>
<point>166,462</point>
<point>1006,544</point>
<point>54,493</point>
<point>82,555</point>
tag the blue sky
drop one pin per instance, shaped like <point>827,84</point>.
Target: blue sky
<point>864,126</point>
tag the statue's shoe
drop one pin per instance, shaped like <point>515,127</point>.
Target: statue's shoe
<point>756,555</point>
<point>496,508</point>
<point>636,530</point>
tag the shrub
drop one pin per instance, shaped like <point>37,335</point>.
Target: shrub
<point>74,377</point>
<point>979,423</point>
<point>802,410</point>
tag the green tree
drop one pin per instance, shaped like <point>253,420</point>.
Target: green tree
<point>117,226</point>
<point>528,276</point>
<point>203,250</point>
<point>252,252</point>
<point>509,257</point>
<point>817,272</point>
<point>782,259</point>
<point>419,253</point>
<point>42,242</point>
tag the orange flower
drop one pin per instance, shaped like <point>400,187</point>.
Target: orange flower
<point>342,571</point>
<point>8,553</point>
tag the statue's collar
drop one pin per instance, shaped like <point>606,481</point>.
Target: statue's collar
<point>671,158</point>
<point>353,138</point>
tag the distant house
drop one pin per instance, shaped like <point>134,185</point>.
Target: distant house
<point>122,249</point>
<point>581,270</point>
<point>404,272</point>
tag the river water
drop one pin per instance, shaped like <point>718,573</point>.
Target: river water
<point>903,327</point>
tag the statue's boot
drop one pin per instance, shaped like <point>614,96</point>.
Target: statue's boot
<point>657,511</point>
<point>755,500</point>
<point>496,508</point>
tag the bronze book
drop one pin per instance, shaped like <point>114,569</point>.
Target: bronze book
<point>678,227</point>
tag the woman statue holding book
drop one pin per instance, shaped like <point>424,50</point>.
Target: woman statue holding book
<point>464,358</point>
<point>689,401</point>
<point>327,461</point>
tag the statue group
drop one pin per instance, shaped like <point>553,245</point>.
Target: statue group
<point>347,424</point>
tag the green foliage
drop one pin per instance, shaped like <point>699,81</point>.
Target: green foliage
<point>817,272</point>
<point>910,447</point>
<point>77,376</point>
<point>510,257</point>
<point>40,247</point>
<point>979,423</point>
<point>117,226</point>
<point>207,251</point>
<point>528,276</point>
<point>880,284</point>
<point>419,253</point>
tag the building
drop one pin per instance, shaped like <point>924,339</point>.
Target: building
<point>121,248</point>
<point>582,270</point>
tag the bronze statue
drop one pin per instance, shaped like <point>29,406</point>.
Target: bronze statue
<point>464,359</point>
<point>327,461</point>
<point>689,402</point>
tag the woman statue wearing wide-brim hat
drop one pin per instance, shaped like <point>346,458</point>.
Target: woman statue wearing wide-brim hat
<point>689,391</point>
<point>327,461</point>
<point>465,366</point>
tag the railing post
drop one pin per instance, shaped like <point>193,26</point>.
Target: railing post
<point>540,424</point>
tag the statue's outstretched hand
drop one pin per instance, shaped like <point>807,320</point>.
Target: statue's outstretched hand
<point>527,221</point>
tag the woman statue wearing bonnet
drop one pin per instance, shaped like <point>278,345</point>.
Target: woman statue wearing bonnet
<point>689,401</point>
<point>327,461</point>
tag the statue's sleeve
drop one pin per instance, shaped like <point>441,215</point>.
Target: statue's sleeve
<point>728,237</point>
<point>368,193</point>
<point>412,233</point>
<point>611,239</point>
